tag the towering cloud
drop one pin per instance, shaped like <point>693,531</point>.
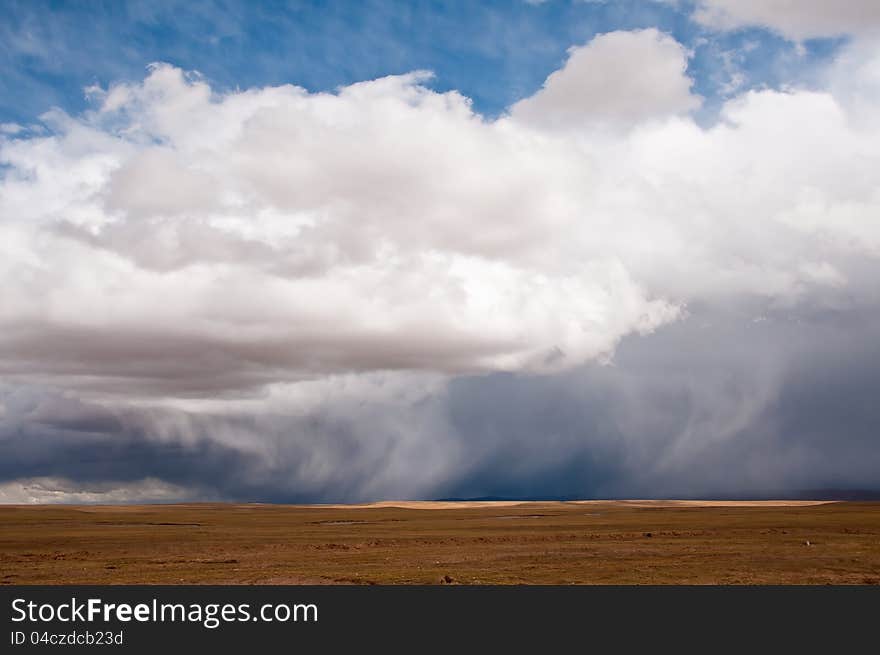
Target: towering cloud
<point>279,294</point>
<point>277,233</point>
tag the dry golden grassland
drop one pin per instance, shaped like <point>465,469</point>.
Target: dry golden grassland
<point>628,542</point>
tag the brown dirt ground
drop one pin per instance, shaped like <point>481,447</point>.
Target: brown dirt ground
<point>625,542</point>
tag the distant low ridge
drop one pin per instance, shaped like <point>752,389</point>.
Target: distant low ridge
<point>805,494</point>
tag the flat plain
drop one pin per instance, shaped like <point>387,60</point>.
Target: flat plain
<point>586,542</point>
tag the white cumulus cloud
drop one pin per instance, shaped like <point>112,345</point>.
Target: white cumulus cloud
<point>619,78</point>
<point>176,240</point>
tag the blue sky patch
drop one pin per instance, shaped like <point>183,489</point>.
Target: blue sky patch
<point>493,52</point>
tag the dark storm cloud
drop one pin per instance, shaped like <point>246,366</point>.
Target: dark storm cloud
<point>49,436</point>
<point>723,403</point>
<point>719,404</point>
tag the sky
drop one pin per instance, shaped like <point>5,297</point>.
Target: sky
<point>343,252</point>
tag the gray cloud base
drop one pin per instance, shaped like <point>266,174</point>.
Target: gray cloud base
<point>720,404</point>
